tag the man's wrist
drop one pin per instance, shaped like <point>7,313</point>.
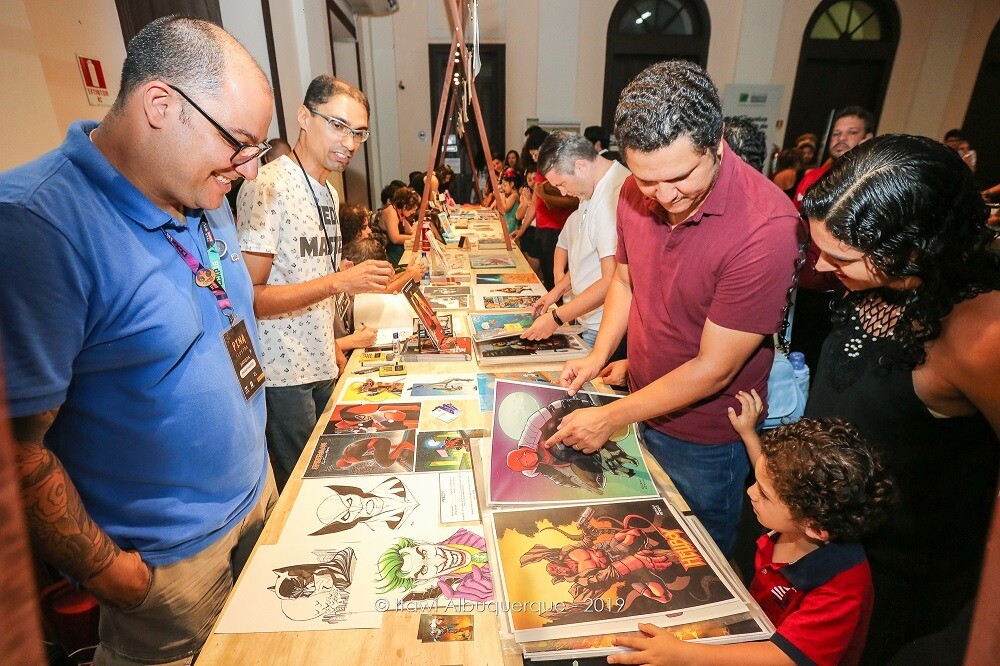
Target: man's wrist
<point>555,316</point>
<point>611,417</point>
<point>333,286</point>
<point>120,577</point>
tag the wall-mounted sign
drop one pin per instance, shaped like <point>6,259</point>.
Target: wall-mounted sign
<point>761,102</point>
<point>94,82</point>
<point>553,125</point>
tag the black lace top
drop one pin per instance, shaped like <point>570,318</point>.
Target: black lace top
<point>945,468</point>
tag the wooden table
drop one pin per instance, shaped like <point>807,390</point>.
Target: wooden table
<point>396,642</point>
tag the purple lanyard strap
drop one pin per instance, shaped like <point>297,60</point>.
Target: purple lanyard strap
<point>204,277</point>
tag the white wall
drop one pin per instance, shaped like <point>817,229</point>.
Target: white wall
<point>984,17</point>
<point>355,177</point>
<point>555,53</point>
<point>245,21</point>
<point>752,41</point>
<point>556,84</point>
<point>42,86</point>
<point>377,55</point>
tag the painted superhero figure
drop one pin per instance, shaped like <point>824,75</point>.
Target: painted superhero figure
<point>380,450</point>
<point>456,568</point>
<point>630,552</point>
<point>371,418</point>
<point>557,462</point>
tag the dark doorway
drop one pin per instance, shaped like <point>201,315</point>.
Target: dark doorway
<point>847,55</point>
<point>643,32</point>
<point>135,14</point>
<point>981,127</point>
<point>491,87</point>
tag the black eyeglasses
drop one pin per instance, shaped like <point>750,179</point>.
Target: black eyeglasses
<point>342,129</point>
<point>245,152</point>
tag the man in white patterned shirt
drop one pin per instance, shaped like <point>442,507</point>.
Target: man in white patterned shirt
<point>289,232</point>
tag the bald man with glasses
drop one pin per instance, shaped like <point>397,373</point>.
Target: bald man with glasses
<point>132,368</point>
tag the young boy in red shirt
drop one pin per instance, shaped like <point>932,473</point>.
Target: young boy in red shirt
<point>819,488</point>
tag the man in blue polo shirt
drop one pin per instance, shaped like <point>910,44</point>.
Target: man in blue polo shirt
<point>129,343</point>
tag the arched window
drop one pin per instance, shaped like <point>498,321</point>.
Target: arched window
<point>847,53</point>
<point>642,32</point>
<point>852,21</point>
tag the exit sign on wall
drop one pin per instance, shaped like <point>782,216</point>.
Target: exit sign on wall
<point>94,81</point>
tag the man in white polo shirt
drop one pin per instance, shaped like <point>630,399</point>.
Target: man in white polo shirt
<point>589,239</point>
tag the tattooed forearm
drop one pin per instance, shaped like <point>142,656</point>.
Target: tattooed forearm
<point>62,532</point>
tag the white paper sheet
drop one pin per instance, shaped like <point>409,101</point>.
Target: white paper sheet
<point>298,588</point>
<point>459,503</point>
<point>356,508</point>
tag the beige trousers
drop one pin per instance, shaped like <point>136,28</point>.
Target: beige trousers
<point>184,599</point>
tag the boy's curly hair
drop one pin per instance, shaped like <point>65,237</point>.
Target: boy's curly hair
<point>829,476</point>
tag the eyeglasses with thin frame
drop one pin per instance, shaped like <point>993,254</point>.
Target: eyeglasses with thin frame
<point>245,152</point>
<point>342,129</point>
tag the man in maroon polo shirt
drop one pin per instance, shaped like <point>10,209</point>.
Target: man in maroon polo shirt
<point>706,251</point>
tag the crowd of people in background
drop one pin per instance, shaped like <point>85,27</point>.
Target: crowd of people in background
<point>897,272</point>
<point>684,264</point>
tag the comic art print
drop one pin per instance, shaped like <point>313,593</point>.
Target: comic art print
<point>426,568</point>
<point>604,566</point>
<point>507,302</point>
<point>510,289</point>
<point>524,471</point>
<point>295,588</point>
<point>730,629</point>
<point>445,450</point>
<point>370,419</point>
<point>359,508</point>
<point>445,628</point>
<point>457,302</point>
<point>372,389</point>
<point>506,278</point>
<point>425,313</point>
<point>495,325</point>
<point>361,454</point>
<point>454,385</point>
<point>487,381</point>
<point>490,261</point>
<point>447,290</point>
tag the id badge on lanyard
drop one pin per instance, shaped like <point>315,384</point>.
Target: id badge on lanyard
<point>236,338</point>
<point>249,372</point>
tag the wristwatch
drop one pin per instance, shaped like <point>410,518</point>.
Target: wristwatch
<point>555,316</point>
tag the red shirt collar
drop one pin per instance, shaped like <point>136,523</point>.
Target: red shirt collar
<point>816,568</point>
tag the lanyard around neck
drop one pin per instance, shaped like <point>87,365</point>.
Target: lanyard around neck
<point>204,277</point>
<point>319,211</point>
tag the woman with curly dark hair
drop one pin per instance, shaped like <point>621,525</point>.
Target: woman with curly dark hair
<point>394,220</point>
<point>355,222</point>
<point>913,362</point>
